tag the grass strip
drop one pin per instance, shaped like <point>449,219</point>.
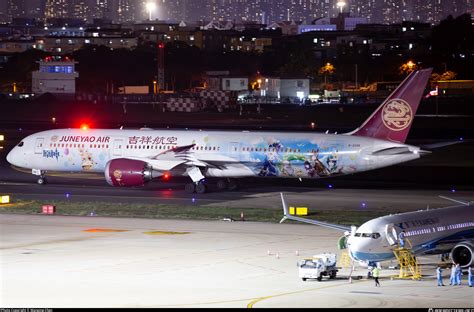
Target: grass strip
<point>194,212</point>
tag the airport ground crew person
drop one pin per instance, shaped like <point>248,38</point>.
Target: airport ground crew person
<point>452,277</point>
<point>439,275</point>
<point>470,278</point>
<point>376,275</point>
<point>458,274</point>
<point>401,239</point>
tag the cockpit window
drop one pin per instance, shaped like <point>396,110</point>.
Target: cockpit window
<point>20,144</point>
<point>371,235</point>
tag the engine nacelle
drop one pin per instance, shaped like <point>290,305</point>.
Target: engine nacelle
<point>127,172</point>
<point>463,253</point>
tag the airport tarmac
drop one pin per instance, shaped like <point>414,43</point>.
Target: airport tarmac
<point>57,261</point>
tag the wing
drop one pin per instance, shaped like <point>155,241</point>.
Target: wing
<point>183,156</point>
<point>315,222</point>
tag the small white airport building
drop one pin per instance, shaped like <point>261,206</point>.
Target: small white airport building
<point>56,75</point>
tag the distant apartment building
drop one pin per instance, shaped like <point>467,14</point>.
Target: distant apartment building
<point>55,75</point>
<point>65,44</point>
<point>17,46</point>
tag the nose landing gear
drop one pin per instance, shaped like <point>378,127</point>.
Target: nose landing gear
<point>42,176</point>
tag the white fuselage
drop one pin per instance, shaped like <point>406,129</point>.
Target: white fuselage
<point>221,153</point>
<point>426,231</point>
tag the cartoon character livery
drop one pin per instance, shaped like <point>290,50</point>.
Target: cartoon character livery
<point>134,157</point>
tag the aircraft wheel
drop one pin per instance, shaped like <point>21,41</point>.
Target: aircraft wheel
<point>232,185</point>
<point>190,188</point>
<point>221,185</point>
<point>42,181</point>
<point>320,278</point>
<point>201,188</point>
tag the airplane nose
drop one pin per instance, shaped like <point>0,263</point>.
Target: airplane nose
<point>10,157</point>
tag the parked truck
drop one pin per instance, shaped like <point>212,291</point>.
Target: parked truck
<point>318,266</point>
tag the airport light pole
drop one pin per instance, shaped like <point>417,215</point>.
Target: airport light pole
<point>151,7</point>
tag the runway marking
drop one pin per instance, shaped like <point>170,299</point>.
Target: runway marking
<point>165,233</point>
<point>104,230</point>
<point>253,302</point>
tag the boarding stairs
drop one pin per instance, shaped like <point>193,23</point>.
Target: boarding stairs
<point>345,260</point>
<point>409,267</point>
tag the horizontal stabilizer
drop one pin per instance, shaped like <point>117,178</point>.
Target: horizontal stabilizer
<point>440,144</point>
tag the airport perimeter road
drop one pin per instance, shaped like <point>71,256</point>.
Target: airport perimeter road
<point>55,261</point>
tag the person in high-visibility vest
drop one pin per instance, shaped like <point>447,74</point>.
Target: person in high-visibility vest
<point>376,275</point>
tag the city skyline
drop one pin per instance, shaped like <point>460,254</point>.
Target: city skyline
<point>262,11</point>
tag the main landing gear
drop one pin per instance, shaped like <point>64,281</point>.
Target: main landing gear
<point>203,186</point>
<point>200,185</point>
<point>42,176</point>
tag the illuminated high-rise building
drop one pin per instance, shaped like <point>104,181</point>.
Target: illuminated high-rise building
<point>100,9</point>
<point>80,10</point>
<point>125,11</point>
<point>16,8</point>
<point>57,9</point>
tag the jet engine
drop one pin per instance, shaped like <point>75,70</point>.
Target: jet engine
<point>463,253</point>
<point>127,172</point>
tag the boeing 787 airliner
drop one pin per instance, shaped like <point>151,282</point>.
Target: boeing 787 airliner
<point>134,157</point>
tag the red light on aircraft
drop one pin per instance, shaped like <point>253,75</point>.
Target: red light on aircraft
<point>166,176</point>
<point>84,126</point>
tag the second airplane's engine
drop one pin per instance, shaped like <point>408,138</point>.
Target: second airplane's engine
<point>127,172</point>
<point>463,253</point>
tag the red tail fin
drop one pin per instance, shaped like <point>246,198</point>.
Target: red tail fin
<point>393,118</point>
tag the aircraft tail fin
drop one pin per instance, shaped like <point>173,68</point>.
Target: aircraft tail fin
<point>392,120</point>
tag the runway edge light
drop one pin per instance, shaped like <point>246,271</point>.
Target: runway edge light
<point>5,199</point>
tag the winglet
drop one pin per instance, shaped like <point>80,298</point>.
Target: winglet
<point>285,209</point>
<point>286,215</point>
<point>466,203</point>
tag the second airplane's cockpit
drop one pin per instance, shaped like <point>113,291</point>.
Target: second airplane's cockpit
<point>369,243</point>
